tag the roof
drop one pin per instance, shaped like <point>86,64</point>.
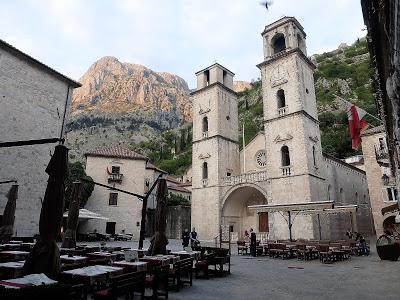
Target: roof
<point>189,183</point>
<point>331,157</point>
<point>172,179</point>
<point>215,65</point>
<point>377,129</point>
<point>178,188</point>
<point>150,166</point>
<point>282,21</point>
<point>117,151</point>
<point>4,45</point>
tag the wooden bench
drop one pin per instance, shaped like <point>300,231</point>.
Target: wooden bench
<point>123,285</point>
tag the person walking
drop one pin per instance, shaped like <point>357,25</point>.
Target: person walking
<point>253,243</point>
<point>193,238</point>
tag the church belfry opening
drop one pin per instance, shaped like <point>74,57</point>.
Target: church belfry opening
<point>281,98</point>
<point>278,43</point>
<point>205,125</point>
<point>285,156</point>
<point>205,170</point>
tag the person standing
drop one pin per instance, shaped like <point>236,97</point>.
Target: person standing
<point>193,238</point>
<point>253,243</point>
<point>185,238</point>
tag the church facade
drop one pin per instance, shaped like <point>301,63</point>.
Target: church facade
<point>284,164</point>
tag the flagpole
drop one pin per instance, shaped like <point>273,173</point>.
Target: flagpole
<point>244,151</point>
<point>348,102</point>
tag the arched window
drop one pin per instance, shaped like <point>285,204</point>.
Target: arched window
<point>314,159</point>
<point>278,43</point>
<point>329,191</point>
<point>280,95</point>
<point>285,156</point>
<point>205,170</point>
<point>205,124</point>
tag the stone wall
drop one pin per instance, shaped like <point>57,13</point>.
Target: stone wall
<point>32,107</point>
<point>178,219</point>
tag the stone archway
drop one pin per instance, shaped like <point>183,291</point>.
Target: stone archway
<point>236,214</point>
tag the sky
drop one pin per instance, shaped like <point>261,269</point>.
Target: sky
<point>176,36</point>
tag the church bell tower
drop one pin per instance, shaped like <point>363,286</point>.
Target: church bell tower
<point>215,145</point>
<point>293,142</point>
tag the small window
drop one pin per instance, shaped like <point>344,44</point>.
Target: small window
<point>313,154</point>
<point>228,174</point>
<point>224,73</point>
<point>205,124</point>
<point>382,144</point>
<point>281,98</point>
<point>285,156</point>
<point>205,170</point>
<point>329,192</point>
<point>392,194</point>
<point>115,169</point>
<point>207,77</point>
<point>113,200</point>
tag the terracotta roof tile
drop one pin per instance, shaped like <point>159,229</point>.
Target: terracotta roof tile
<point>178,188</point>
<point>153,167</point>
<point>117,151</point>
<point>373,130</point>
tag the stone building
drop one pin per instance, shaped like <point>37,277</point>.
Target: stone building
<point>35,102</point>
<point>129,171</point>
<point>284,164</point>
<point>382,186</point>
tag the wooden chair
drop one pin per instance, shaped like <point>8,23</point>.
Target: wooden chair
<point>123,285</point>
<point>157,281</point>
<point>242,248</point>
<point>302,252</point>
<point>202,265</point>
<point>325,255</point>
<point>182,269</point>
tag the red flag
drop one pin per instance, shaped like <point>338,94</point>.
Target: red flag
<point>356,124</point>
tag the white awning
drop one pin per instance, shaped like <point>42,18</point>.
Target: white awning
<point>320,205</point>
<point>85,214</point>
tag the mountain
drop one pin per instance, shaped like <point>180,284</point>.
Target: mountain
<point>240,86</point>
<point>110,86</point>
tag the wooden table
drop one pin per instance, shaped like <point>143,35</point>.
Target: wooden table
<point>28,280</point>
<point>131,265</point>
<point>94,274</point>
<point>156,260</point>
<point>73,259</point>
<point>185,254</point>
<point>14,254</point>
<point>13,269</point>
<point>102,254</point>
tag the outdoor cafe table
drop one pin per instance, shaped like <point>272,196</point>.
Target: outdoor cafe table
<point>12,268</point>
<point>185,254</point>
<point>141,252</point>
<point>102,254</point>
<point>94,274</point>
<point>10,246</point>
<point>158,260</point>
<point>73,259</point>
<point>132,265</point>
<point>28,280</point>
<point>14,254</point>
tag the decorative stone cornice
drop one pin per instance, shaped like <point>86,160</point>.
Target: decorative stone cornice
<point>279,139</point>
<point>216,136</point>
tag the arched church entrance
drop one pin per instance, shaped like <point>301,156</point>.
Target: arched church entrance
<point>236,214</point>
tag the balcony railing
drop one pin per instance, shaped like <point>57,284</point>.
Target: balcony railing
<point>282,111</point>
<point>286,171</point>
<point>115,177</point>
<point>205,134</point>
<point>245,178</point>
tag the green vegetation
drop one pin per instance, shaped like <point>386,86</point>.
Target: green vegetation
<point>172,152</point>
<point>174,200</point>
<point>76,171</point>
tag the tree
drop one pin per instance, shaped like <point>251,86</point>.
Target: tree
<point>76,171</point>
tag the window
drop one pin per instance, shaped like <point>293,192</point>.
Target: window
<point>382,144</point>
<point>113,200</point>
<point>207,77</point>
<point>110,227</point>
<point>300,41</point>
<point>356,198</point>
<point>205,170</point>
<point>115,169</point>
<point>278,43</point>
<point>224,73</point>
<point>205,124</point>
<point>285,156</point>
<point>228,174</point>
<point>341,192</point>
<point>281,98</point>
<point>392,194</point>
<point>261,158</point>
<point>313,155</point>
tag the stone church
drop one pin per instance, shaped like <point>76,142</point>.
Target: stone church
<point>283,165</point>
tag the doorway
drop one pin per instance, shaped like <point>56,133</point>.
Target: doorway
<point>263,225</point>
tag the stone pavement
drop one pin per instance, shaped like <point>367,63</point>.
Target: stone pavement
<point>267,278</point>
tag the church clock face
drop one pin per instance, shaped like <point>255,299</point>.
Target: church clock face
<point>261,158</point>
